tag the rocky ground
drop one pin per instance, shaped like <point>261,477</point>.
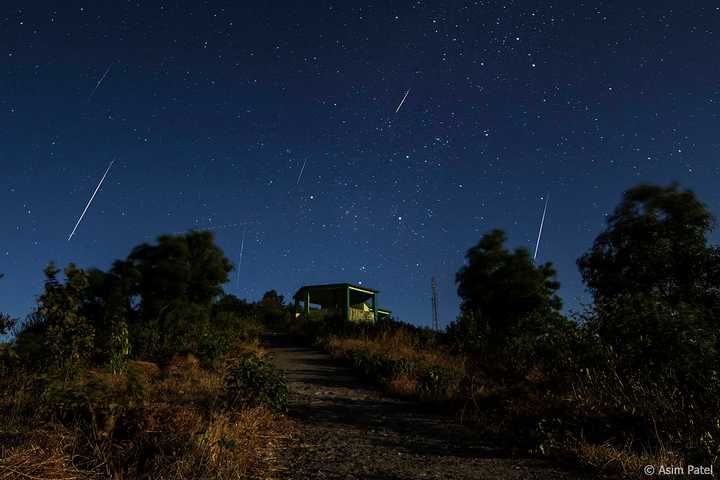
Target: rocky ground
<point>345,429</point>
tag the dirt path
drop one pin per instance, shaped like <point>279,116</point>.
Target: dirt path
<point>348,430</point>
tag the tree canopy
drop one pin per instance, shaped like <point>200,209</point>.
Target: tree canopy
<point>180,268</point>
<point>655,243</point>
<point>501,289</point>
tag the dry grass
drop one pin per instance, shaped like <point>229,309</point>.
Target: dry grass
<point>403,386</point>
<point>46,453</point>
<point>396,345</point>
<point>498,407</point>
<point>181,429</point>
<point>622,461</point>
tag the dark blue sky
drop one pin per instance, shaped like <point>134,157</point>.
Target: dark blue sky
<point>210,110</point>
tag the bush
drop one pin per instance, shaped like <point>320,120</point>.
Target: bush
<point>255,381</point>
<point>94,398</point>
<point>381,369</point>
<point>438,383</point>
<point>8,359</point>
<point>227,330</point>
<point>644,404</point>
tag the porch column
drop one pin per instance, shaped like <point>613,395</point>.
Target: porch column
<point>347,303</point>
<point>374,305</point>
<point>307,304</point>
<point>295,308</point>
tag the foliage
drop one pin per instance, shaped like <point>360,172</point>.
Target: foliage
<point>272,311</point>
<point>232,324</point>
<point>401,358</point>
<point>8,355</point>
<point>68,334</point>
<point>645,329</point>
<point>8,358</point>
<point>91,398</point>
<point>437,383</point>
<point>643,404</point>
<point>379,368</point>
<point>656,287</point>
<point>107,303</point>
<point>173,285</point>
<point>654,244</point>
<point>255,381</point>
<point>69,368</point>
<point>501,291</point>
<point>6,324</point>
<point>144,423</point>
<point>180,267</point>
<point>120,346</point>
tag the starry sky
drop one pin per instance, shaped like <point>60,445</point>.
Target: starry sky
<point>274,124</point>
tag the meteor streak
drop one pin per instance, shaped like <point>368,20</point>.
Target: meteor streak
<point>242,247</point>
<point>91,199</point>
<point>100,81</point>
<point>301,172</point>
<point>402,101</point>
<point>542,222</point>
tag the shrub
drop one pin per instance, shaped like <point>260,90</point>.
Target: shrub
<point>8,358</point>
<point>94,398</point>
<point>6,324</point>
<point>255,381</point>
<point>380,368</point>
<point>227,330</point>
<point>68,335</point>
<point>646,402</point>
<point>438,383</point>
<point>119,346</point>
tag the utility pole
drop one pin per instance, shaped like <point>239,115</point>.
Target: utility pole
<point>435,321</point>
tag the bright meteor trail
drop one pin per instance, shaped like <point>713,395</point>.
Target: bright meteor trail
<point>100,81</point>
<point>542,222</point>
<point>301,172</point>
<point>91,199</point>
<point>242,247</point>
<point>402,101</point>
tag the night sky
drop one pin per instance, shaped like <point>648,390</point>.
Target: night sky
<point>210,110</point>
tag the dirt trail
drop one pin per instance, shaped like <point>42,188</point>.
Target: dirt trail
<point>348,430</point>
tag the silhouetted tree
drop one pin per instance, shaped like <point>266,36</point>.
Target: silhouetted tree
<point>187,267</point>
<point>272,309</point>
<point>231,304</point>
<point>6,323</point>
<point>655,243</point>
<point>503,292</point>
<point>171,287</point>
<point>655,282</point>
<point>58,336</point>
<point>271,300</point>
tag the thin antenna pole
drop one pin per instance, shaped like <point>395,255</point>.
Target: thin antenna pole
<point>435,321</point>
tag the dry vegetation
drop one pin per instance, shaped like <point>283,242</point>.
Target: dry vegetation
<point>522,410</point>
<point>401,356</point>
<point>178,427</point>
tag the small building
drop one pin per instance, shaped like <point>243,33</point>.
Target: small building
<point>345,301</point>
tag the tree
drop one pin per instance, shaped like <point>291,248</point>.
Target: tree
<point>655,282</point>
<point>272,309</point>
<point>189,267</point>
<point>504,292</point>
<point>171,287</point>
<point>68,335</point>
<point>6,322</point>
<point>655,243</point>
<point>107,305</point>
<point>272,301</point>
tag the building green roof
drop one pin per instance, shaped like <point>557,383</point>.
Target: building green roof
<point>332,286</point>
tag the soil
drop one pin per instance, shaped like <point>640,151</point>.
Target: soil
<point>346,429</point>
